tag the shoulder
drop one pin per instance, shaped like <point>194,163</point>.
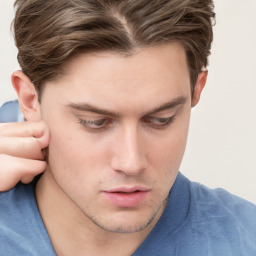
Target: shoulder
<point>10,112</point>
<point>14,199</point>
<point>22,231</point>
<point>224,219</point>
<point>220,201</point>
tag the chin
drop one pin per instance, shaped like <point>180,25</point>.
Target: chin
<point>131,221</point>
<point>125,226</point>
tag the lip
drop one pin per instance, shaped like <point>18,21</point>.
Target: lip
<point>126,196</point>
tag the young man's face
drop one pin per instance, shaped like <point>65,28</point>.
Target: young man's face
<point>118,129</point>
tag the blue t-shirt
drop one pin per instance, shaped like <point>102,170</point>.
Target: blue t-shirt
<point>197,221</point>
<point>10,112</point>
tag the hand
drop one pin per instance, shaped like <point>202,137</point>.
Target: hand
<point>21,152</point>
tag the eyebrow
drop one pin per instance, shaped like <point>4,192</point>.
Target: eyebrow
<point>175,102</point>
<point>90,108</point>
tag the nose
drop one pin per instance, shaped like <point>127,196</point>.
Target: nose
<point>129,154</point>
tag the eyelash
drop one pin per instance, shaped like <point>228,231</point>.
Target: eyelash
<point>162,122</point>
<point>102,124</point>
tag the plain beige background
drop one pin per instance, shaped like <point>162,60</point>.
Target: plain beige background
<point>221,147</point>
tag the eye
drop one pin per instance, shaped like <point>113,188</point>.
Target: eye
<point>95,125</point>
<point>158,123</point>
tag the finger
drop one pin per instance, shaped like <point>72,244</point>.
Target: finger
<point>44,138</point>
<point>21,147</point>
<point>13,169</point>
<point>27,179</point>
<point>26,129</point>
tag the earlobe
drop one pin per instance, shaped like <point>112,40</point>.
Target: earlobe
<point>199,86</point>
<point>27,95</point>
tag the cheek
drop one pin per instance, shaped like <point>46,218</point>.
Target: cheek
<point>75,154</point>
<point>168,161</point>
<point>170,148</point>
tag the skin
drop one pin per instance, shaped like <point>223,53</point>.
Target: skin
<point>131,142</point>
<point>21,153</point>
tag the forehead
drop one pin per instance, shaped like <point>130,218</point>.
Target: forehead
<point>152,74</point>
<point>171,55</point>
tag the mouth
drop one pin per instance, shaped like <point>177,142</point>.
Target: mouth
<point>126,197</point>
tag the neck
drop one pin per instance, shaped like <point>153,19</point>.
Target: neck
<point>73,233</point>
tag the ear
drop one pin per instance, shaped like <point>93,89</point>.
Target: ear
<point>199,86</point>
<point>28,97</point>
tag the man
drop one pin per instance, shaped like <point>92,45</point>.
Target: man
<point>114,82</point>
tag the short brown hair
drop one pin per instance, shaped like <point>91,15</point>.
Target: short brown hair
<point>49,32</point>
